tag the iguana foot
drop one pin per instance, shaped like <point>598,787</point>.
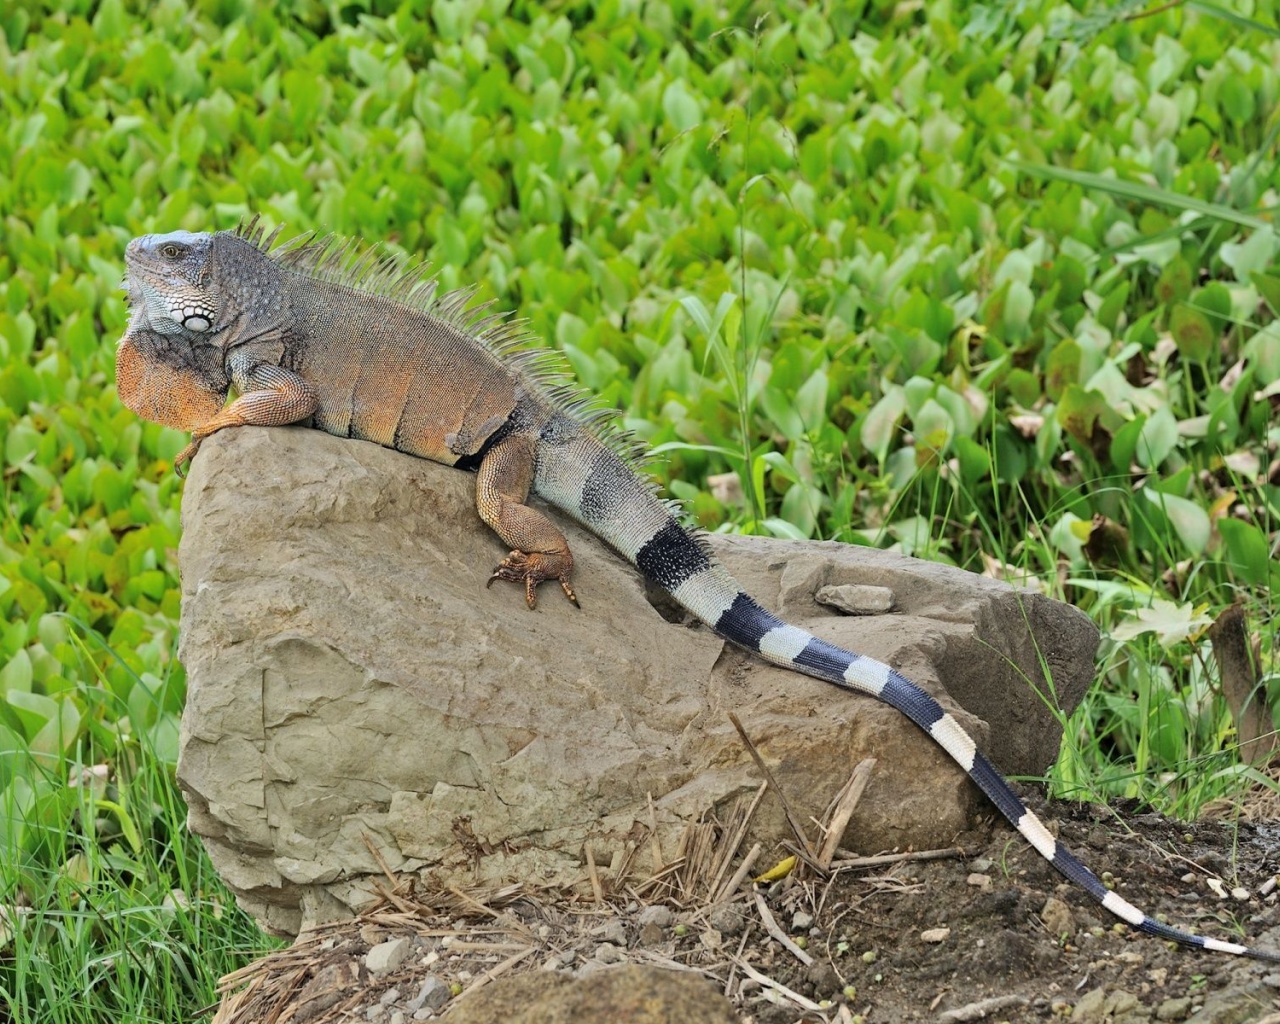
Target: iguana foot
<point>532,569</point>
<point>186,455</point>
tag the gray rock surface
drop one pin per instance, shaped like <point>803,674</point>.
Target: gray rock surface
<point>351,683</point>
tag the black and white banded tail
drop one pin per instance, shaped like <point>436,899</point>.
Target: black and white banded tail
<point>601,491</point>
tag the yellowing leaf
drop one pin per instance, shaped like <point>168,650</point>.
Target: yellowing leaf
<point>780,870</point>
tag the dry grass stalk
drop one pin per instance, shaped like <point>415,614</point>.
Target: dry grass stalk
<point>698,852</point>
<point>744,869</point>
<point>792,819</point>
<point>852,860</point>
<point>594,875</point>
<point>773,928</point>
<point>739,823</point>
<point>842,811</point>
<point>777,986</point>
<point>653,836</point>
<point>500,970</point>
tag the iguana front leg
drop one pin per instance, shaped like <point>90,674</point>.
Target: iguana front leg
<point>540,551</point>
<point>270,396</point>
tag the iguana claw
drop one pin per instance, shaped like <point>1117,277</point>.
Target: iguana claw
<point>186,455</point>
<point>532,569</point>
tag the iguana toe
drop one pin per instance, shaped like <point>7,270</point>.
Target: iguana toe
<point>185,456</point>
<point>532,569</point>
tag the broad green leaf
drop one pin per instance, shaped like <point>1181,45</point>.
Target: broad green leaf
<point>1188,519</point>
<point>1192,332</point>
<point>1246,550</point>
<point>1157,438</point>
<point>880,427</point>
<point>16,675</point>
<point>1268,286</point>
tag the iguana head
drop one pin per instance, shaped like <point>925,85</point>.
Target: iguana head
<point>169,364</point>
<point>171,282</point>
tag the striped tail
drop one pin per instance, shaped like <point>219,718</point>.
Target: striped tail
<point>680,564</point>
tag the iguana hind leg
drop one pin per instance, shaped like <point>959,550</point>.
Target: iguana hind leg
<point>539,550</point>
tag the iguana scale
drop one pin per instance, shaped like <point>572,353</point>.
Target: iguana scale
<point>360,345</point>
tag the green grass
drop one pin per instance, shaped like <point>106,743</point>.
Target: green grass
<point>994,284</point>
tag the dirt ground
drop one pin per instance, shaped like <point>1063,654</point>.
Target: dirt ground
<point>993,934</point>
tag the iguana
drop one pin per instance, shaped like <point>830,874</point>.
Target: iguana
<point>360,344</point>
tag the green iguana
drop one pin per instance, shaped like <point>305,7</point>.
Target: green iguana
<point>360,345</point>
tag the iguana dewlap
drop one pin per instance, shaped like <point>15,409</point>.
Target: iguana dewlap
<point>360,345</point>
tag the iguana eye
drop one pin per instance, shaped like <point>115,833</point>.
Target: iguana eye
<point>170,251</point>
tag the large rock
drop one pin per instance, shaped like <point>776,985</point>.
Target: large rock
<point>353,687</point>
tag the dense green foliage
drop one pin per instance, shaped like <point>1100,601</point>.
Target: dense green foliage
<point>991,284</point>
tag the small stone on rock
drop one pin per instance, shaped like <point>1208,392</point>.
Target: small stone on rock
<point>856,598</point>
<point>386,956</point>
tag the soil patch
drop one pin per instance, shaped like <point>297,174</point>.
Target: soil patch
<point>992,933</point>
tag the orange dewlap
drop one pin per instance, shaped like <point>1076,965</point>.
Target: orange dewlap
<point>170,395</point>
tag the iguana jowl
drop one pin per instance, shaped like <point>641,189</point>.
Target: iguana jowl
<point>360,345</point>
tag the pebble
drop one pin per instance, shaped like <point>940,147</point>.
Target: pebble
<point>389,996</point>
<point>386,956</point>
<point>1056,916</point>
<point>651,935</point>
<point>432,994</point>
<point>656,914</point>
<point>614,931</point>
<point>801,921</point>
<point>981,881</point>
<point>823,978</point>
<point>1174,1009</point>
<point>726,919</point>
<point>608,953</point>
<point>397,1017</point>
<point>981,866</point>
<point>711,939</point>
<point>935,935</point>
